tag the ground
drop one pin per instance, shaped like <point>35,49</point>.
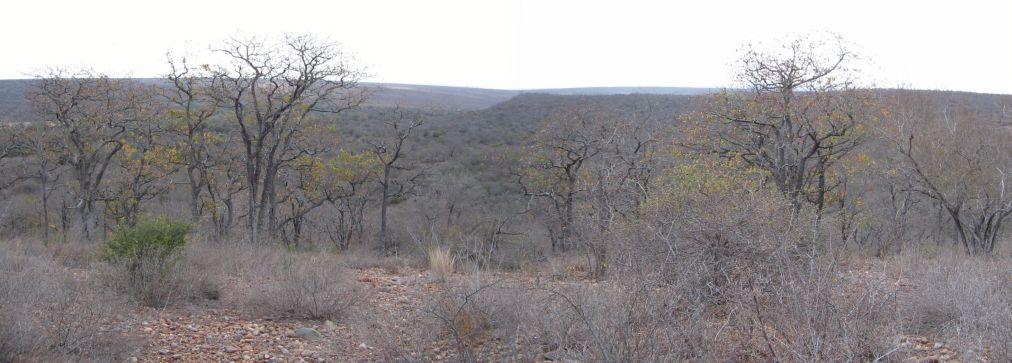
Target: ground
<point>210,334</point>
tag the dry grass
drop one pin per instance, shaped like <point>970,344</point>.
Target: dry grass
<point>441,263</point>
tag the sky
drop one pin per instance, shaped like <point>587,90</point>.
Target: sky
<point>513,44</point>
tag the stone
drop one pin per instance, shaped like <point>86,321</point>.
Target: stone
<point>231,349</point>
<point>306,333</point>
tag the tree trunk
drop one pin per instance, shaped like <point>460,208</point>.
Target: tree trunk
<point>387,246</point>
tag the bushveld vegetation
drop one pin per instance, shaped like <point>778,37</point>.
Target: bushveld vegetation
<point>721,227</point>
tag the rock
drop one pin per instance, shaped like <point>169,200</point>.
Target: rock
<point>231,349</point>
<point>936,346</point>
<point>163,351</point>
<point>305,333</point>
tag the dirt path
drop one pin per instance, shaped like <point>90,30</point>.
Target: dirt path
<point>227,335</point>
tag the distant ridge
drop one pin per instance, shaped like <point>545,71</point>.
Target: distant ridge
<point>13,106</point>
<point>624,90</point>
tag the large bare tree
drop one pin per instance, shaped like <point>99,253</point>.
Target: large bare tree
<point>796,114</point>
<point>91,114</point>
<point>272,90</point>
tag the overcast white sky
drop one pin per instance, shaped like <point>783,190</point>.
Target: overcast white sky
<point>956,45</point>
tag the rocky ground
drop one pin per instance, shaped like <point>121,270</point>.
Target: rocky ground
<point>208,334</point>
<point>224,335</point>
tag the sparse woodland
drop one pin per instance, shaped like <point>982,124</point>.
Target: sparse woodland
<point>800,215</point>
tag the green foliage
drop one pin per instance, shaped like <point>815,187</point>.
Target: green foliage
<point>159,238</point>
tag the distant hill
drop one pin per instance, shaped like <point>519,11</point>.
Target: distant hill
<point>625,91</point>
<point>441,97</point>
<point>13,106</point>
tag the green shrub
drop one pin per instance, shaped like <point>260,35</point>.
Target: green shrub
<point>145,262</point>
<point>160,238</point>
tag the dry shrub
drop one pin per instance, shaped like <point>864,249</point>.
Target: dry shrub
<point>962,301</point>
<point>73,255</point>
<point>754,267</point>
<point>532,322</point>
<point>312,286</point>
<point>807,312</point>
<point>161,283</point>
<point>800,315</point>
<point>46,314</point>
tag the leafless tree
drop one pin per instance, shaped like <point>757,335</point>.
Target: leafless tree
<point>389,152</point>
<point>224,181</point>
<point>47,168</point>
<point>272,92</point>
<point>554,164</point>
<point>619,181</point>
<point>957,160</point>
<point>91,113</point>
<point>144,170</point>
<point>795,117</point>
<point>190,108</point>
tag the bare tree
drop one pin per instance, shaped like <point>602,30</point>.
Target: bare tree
<point>91,114</point>
<point>224,181</point>
<point>618,181</point>
<point>190,108</point>
<point>47,169</point>
<point>957,160</point>
<point>554,163</point>
<point>795,118</point>
<point>144,170</point>
<point>389,152</point>
<point>272,92</point>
